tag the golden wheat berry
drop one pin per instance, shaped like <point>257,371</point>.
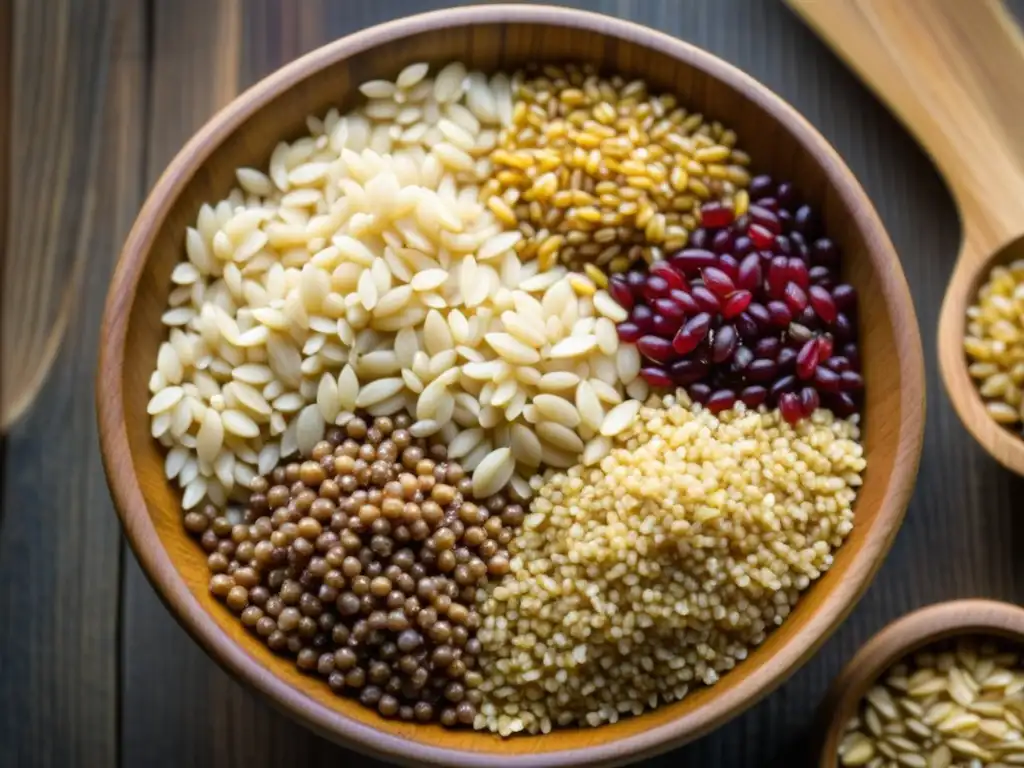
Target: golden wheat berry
<point>995,343</point>
<point>657,568</point>
<point>956,703</point>
<point>598,169</point>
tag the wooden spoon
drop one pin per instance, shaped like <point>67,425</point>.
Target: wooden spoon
<point>985,618</point>
<point>953,72</point>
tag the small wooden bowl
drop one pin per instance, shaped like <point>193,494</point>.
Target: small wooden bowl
<point>911,633</point>
<point>489,37</point>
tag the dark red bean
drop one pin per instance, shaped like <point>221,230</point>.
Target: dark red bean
<point>707,300</point>
<point>629,332</point>
<point>636,281</point>
<point>786,195</point>
<point>782,245</point>
<point>842,328</point>
<point>699,392</point>
<point>809,401</point>
<point>685,300</point>
<point>809,318</point>
<point>741,359</point>
<point>842,405</point>
<point>746,325</point>
<point>669,307</point>
<point>760,315</point>
<point>838,363</point>
<point>825,253</point>
<point>656,377</point>
<point>735,303</point>
<point>761,186</point>
<point>715,214</point>
<point>778,276</point>
<point>822,276</point>
<point>782,385</point>
<point>688,371</point>
<point>826,380</point>
<point>806,359</point>
<point>786,218</point>
<point>770,202</point>
<point>754,396</point>
<point>655,286</point>
<point>619,290</point>
<point>851,353</point>
<point>721,400</point>
<point>699,238</point>
<point>655,348</point>
<point>729,265</point>
<point>851,381</point>
<point>786,361</point>
<point>790,408</point>
<point>805,222</point>
<point>796,270</point>
<point>768,347</point>
<point>725,343</point>
<point>845,298</point>
<point>672,276</point>
<point>748,275</point>
<point>795,297</point>
<point>665,326</point>
<point>823,303</point>
<point>722,242</point>
<point>761,237</point>
<point>825,345</point>
<point>780,313</point>
<point>642,317</point>
<point>762,216</point>
<point>692,333</point>
<point>761,370</point>
<point>716,281</point>
<point>742,246</point>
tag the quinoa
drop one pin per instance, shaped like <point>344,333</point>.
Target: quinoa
<point>632,582</point>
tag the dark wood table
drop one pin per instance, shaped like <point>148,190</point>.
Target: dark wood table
<point>96,96</point>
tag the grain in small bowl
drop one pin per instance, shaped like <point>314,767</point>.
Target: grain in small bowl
<point>489,40</point>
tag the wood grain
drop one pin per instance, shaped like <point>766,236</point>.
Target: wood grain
<point>59,540</point>
<point>944,72</point>
<point>503,37</point>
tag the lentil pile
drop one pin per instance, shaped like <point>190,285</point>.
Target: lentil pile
<point>995,344</point>
<point>511,402</point>
<point>957,704</point>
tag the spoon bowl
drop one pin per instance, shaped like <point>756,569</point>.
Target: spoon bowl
<point>949,70</point>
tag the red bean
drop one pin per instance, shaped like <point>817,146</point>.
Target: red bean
<point>806,359</point>
<point>778,276</point>
<point>688,371</point>
<point>748,275</point>
<point>761,237</point>
<point>672,276</point>
<point>735,303</point>
<point>707,300</point>
<point>729,265</point>
<point>685,300</point>
<point>692,333</point>
<point>851,381</point>
<point>826,380</point>
<point>619,290</point>
<point>656,377</point>
<point>655,348</point>
<point>669,307</point>
<point>724,345</point>
<point>721,400</point>
<point>825,345</point>
<point>761,370</point>
<point>796,270</point>
<point>809,401</point>
<point>655,286</point>
<point>642,317</point>
<point>699,392</point>
<point>665,326</point>
<point>780,313</point>
<point>714,214</point>
<point>795,298</point>
<point>753,396</point>
<point>823,303</point>
<point>717,281</point>
<point>765,218</point>
<point>760,315</point>
<point>789,406</point>
<point>629,332</point>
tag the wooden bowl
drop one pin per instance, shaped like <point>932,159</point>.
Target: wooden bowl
<point>904,636</point>
<point>489,37</point>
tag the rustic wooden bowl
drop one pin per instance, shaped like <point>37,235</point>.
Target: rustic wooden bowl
<point>904,636</point>
<point>490,37</point>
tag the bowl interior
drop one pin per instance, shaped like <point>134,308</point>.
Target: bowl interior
<point>780,143</point>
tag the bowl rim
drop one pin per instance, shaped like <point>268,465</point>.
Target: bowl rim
<point>130,502</point>
<point>901,637</point>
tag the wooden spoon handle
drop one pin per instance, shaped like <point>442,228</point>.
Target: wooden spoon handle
<point>953,72</point>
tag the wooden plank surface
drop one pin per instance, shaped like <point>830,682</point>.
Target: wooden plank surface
<point>91,676</point>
